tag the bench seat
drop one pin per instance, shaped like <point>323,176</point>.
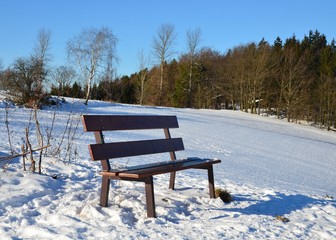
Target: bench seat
<point>146,170</point>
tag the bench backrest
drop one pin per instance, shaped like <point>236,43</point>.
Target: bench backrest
<point>103,151</point>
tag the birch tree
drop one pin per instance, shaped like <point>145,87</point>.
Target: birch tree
<point>92,50</point>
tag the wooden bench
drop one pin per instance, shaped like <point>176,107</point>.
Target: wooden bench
<point>103,151</point>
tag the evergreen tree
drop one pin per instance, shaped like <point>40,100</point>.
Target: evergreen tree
<point>76,91</point>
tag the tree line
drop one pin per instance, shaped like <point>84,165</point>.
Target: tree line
<point>290,78</point>
<point>293,79</point>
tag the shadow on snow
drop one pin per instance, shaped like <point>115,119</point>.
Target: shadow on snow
<point>279,204</point>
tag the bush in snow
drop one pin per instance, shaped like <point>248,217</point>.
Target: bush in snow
<point>223,194</point>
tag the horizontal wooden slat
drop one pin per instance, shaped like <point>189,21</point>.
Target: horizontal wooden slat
<point>134,148</point>
<point>152,165</point>
<point>127,122</point>
<point>164,168</point>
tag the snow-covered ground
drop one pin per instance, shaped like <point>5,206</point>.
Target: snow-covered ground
<point>271,167</point>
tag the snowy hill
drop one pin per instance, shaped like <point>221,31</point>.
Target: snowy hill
<point>273,169</point>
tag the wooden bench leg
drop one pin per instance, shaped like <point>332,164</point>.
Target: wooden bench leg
<point>105,189</point>
<point>172,180</point>
<point>211,182</point>
<point>150,202</point>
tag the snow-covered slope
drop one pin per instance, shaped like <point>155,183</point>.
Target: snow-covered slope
<point>271,167</point>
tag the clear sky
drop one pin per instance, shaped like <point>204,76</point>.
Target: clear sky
<point>224,24</point>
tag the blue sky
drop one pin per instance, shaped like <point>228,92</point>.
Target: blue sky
<point>224,24</point>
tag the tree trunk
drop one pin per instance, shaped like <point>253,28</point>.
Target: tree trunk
<point>161,84</point>
<point>88,92</point>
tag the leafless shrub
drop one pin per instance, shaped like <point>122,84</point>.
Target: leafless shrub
<point>7,128</point>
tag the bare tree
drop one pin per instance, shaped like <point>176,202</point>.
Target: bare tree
<point>24,79</point>
<point>295,80</point>
<point>42,46</point>
<point>62,77</point>
<point>2,73</point>
<point>42,56</point>
<point>259,57</point>
<point>327,100</point>
<point>239,74</point>
<point>193,41</point>
<point>143,62</point>
<point>163,45</point>
<point>92,50</point>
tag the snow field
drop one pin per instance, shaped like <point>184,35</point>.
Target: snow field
<point>272,168</point>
